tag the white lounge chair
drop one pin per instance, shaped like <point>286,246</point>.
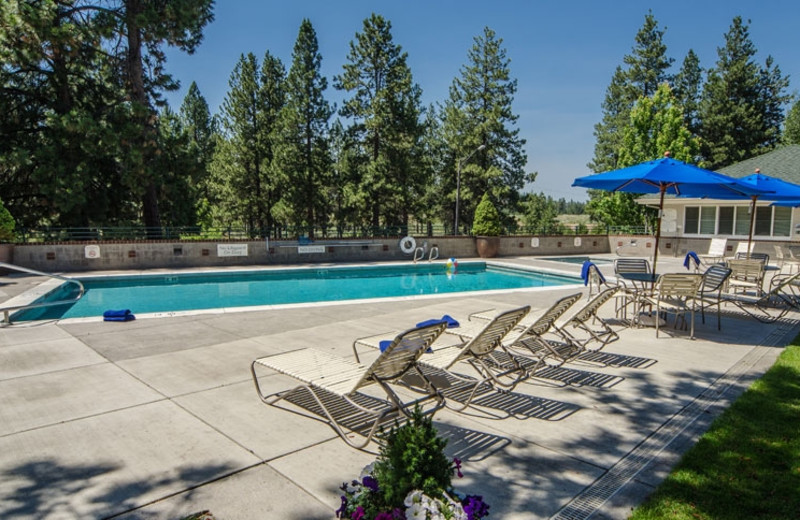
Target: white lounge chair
<point>330,385</point>
<point>482,349</point>
<point>716,251</point>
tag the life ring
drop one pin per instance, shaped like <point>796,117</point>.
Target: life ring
<point>408,244</point>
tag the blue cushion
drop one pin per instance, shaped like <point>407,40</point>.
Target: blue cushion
<point>118,315</point>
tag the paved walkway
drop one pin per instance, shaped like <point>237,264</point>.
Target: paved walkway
<point>158,418</point>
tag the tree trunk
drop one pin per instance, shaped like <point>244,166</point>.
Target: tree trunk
<point>146,139</point>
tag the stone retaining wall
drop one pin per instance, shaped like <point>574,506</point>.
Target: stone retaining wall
<point>83,256</point>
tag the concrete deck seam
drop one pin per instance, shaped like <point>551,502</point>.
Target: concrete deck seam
<point>592,498</point>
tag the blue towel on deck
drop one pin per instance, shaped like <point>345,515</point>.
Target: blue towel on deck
<point>586,268</point>
<point>693,256</point>
<point>118,315</point>
<point>451,323</point>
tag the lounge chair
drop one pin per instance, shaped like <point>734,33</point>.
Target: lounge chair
<point>676,293</point>
<point>482,350</point>
<point>330,385</point>
<point>714,280</point>
<point>586,319</point>
<point>772,306</point>
<point>530,332</point>
<point>786,258</point>
<point>716,251</point>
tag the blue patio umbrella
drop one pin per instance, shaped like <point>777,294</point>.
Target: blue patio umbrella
<point>668,176</point>
<point>773,189</point>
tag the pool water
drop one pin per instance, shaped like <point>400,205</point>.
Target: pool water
<point>196,291</point>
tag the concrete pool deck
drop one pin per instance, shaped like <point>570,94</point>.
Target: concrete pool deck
<point>158,418</point>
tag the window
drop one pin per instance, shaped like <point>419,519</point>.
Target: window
<point>725,225</point>
<point>742,224</point>
<point>763,225</point>
<point>782,222</point>
<point>691,220</point>
<point>708,220</point>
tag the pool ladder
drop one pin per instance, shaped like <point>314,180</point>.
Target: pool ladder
<point>419,253</point>
<point>21,307</point>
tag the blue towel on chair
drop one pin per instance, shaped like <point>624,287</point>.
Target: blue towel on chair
<point>118,315</point>
<point>451,323</point>
<point>586,269</point>
<point>691,255</point>
<point>384,344</point>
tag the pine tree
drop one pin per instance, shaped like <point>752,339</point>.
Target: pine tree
<point>303,155</point>
<point>384,110</point>
<point>740,109</point>
<point>200,127</point>
<point>647,67</point>
<point>688,86</point>
<point>479,113</point>
<point>240,166</point>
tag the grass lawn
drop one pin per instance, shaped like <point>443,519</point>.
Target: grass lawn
<point>748,464</point>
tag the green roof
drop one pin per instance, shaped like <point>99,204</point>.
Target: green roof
<point>783,163</point>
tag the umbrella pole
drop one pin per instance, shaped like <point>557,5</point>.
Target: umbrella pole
<point>662,189</point>
<point>752,222</point>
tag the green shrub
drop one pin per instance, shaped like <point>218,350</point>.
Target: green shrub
<point>487,219</point>
<point>6,225</point>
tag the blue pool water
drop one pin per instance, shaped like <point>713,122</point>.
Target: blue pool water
<point>181,292</point>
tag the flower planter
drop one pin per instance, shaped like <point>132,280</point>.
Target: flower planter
<point>487,246</point>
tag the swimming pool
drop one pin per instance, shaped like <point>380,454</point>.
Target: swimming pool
<point>213,290</point>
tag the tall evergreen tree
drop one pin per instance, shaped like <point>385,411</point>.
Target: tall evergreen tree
<point>200,128</point>
<point>143,29</point>
<point>384,109</point>
<point>687,88</point>
<point>647,67</point>
<point>791,132</point>
<point>240,167</point>
<point>303,154</point>
<point>478,113</point>
<point>61,118</point>
<point>739,112</point>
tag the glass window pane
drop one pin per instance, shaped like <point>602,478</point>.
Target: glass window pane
<point>691,220</point>
<point>763,225</point>
<point>781,225</point>
<point>708,220</point>
<point>725,220</point>
<point>742,221</point>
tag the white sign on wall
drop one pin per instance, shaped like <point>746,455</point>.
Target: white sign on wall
<point>535,242</point>
<point>310,249</point>
<point>91,251</point>
<point>231,250</point>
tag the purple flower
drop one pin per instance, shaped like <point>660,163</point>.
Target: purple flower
<point>457,464</point>
<point>384,516</point>
<point>358,514</point>
<point>398,514</point>
<point>475,507</point>
<point>340,511</point>
<point>371,483</point>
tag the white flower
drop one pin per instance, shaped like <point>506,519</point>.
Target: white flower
<point>367,471</point>
<point>352,487</point>
<point>416,512</point>
<point>413,497</point>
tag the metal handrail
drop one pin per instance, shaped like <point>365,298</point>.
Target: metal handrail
<point>7,310</point>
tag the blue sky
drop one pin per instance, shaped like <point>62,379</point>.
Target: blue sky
<point>562,54</point>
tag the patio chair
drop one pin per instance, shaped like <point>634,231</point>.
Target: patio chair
<point>714,280</point>
<point>716,251</point>
<point>761,257</point>
<point>772,306</point>
<point>331,385</point>
<point>482,350</point>
<point>676,293</point>
<point>746,275</point>
<point>629,289</point>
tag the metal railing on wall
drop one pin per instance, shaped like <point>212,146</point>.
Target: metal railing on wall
<point>132,233</point>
